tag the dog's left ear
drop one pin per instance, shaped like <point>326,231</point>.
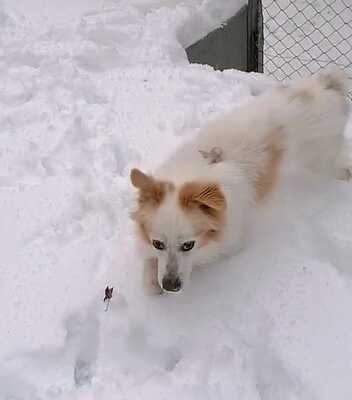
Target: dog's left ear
<point>207,196</point>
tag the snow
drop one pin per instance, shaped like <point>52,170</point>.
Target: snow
<point>88,90</point>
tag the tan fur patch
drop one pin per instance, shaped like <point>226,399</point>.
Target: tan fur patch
<point>151,191</point>
<point>142,230</point>
<point>267,178</point>
<point>209,235</point>
<point>205,205</point>
<point>150,196</point>
<point>207,196</point>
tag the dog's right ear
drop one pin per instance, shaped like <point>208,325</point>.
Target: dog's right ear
<point>140,180</point>
<point>151,191</point>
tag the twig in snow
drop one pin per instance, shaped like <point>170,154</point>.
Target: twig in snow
<point>108,296</point>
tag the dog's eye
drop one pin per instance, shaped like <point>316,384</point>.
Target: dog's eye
<point>187,246</point>
<point>158,245</point>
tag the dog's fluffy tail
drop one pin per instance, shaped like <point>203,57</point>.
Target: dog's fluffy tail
<point>335,79</point>
<point>315,114</point>
<point>316,106</point>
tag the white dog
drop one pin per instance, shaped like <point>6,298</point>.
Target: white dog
<point>193,209</point>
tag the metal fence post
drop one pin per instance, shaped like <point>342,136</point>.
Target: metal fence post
<point>255,36</point>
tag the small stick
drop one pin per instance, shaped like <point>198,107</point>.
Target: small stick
<point>108,296</point>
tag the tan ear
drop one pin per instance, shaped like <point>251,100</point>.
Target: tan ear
<point>140,180</point>
<point>207,196</point>
<point>151,191</point>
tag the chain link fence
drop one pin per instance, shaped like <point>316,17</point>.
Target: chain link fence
<point>300,37</point>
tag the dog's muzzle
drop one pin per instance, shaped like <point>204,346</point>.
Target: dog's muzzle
<point>171,283</point>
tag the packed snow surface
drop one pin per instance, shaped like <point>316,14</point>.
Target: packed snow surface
<point>89,89</point>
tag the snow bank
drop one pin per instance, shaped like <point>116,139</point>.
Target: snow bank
<point>81,101</point>
<point>205,16</point>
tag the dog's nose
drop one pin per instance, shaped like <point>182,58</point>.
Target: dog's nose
<point>171,283</point>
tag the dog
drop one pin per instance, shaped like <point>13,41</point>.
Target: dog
<point>194,208</point>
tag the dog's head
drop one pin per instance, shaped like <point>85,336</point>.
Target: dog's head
<point>177,223</point>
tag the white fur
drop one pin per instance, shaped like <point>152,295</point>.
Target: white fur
<point>311,114</point>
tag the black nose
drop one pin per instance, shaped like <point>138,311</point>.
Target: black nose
<point>171,283</point>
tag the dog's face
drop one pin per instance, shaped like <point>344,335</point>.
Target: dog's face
<point>177,223</point>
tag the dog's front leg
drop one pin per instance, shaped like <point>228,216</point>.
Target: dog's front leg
<point>150,277</point>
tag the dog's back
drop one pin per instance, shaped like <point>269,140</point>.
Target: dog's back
<point>305,120</point>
